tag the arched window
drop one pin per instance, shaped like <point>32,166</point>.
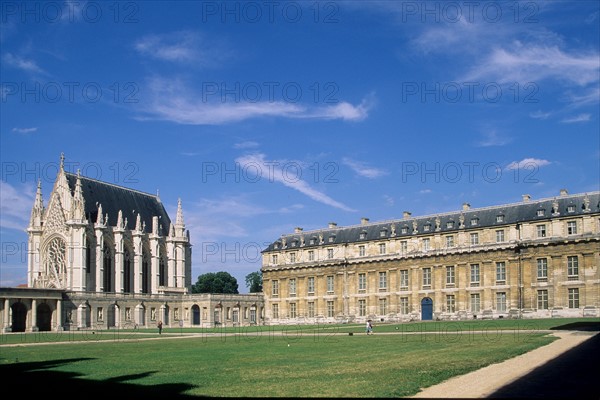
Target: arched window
<point>127,271</point>
<point>107,268</point>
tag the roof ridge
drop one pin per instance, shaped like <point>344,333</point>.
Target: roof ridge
<point>114,185</point>
<point>397,220</point>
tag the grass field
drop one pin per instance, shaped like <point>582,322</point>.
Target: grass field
<point>293,361</point>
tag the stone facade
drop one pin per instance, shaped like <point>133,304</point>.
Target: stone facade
<point>528,259</point>
<point>104,256</point>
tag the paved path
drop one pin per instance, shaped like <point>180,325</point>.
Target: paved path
<point>503,379</point>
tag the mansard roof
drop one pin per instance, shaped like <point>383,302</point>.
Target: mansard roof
<point>450,222</point>
<point>114,198</point>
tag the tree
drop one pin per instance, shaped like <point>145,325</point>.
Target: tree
<point>254,281</point>
<point>216,282</point>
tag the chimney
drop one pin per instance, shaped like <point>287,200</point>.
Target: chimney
<point>563,192</point>
<point>364,221</point>
<point>332,225</point>
<point>297,230</point>
<point>526,198</point>
<point>466,206</point>
<point>406,214</point>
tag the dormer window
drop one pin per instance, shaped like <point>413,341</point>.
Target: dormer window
<point>331,238</point>
<point>404,229</point>
<point>571,208</point>
<point>426,227</point>
<point>541,212</point>
<point>363,235</point>
<point>450,224</point>
<point>500,218</point>
<point>276,246</point>
<point>313,241</point>
<point>474,221</point>
<point>383,233</point>
<point>294,243</point>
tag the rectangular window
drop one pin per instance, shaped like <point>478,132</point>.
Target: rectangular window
<point>571,208</point>
<point>275,288</point>
<point>499,218</point>
<point>311,255</point>
<point>572,228</point>
<point>381,248</point>
<point>542,299</point>
<point>403,247</point>
<point>474,274</point>
<point>382,306</point>
<point>404,279</point>
<point>573,267</point>
<point>361,251</point>
<point>311,309</point>
<point>426,276</point>
<point>500,272</point>
<point>500,236</point>
<point>311,284</point>
<point>450,303</point>
<point>574,298</point>
<point>330,253</point>
<point>274,259</point>
<point>540,213</point>
<point>474,238</point>
<point>293,257</point>
<point>542,268</point>
<point>330,284</point>
<point>475,302</point>
<point>450,275</point>
<point>382,280</point>
<point>362,308</point>
<point>330,309</point>
<point>449,241</point>
<point>541,231</point>
<point>293,287</point>
<point>501,301</point>
<point>474,221</point>
<point>275,309</point>
<point>450,224</point>
<point>362,281</point>
<point>426,244</point>
<point>292,310</point>
<point>404,305</point>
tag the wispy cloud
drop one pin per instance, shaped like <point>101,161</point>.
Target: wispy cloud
<point>15,205</point>
<point>172,100</point>
<point>492,138</point>
<point>577,118</point>
<point>425,191</point>
<point>363,169</point>
<point>258,161</point>
<point>527,163</point>
<point>540,114</point>
<point>246,145</point>
<point>187,47</point>
<point>24,130</point>
<point>389,200</point>
<point>22,63</point>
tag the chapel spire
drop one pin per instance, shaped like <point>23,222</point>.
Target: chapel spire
<point>37,212</point>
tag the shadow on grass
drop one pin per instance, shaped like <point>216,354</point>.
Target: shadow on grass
<point>579,326</point>
<point>38,379</point>
<point>572,375</point>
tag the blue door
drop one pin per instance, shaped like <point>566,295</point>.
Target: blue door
<point>426,309</point>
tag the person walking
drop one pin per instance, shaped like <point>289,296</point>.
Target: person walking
<point>159,327</point>
<point>369,328</point>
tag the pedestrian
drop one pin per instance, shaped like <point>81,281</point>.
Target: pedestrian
<point>369,328</point>
<point>159,327</point>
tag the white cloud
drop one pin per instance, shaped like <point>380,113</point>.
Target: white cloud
<point>389,200</point>
<point>172,100</point>
<point>246,145</point>
<point>363,169</point>
<point>186,47</point>
<point>492,138</point>
<point>15,205</point>
<point>272,169</point>
<point>25,130</point>
<point>425,191</point>
<point>22,64</point>
<point>577,118</point>
<point>527,163</point>
<point>540,115</point>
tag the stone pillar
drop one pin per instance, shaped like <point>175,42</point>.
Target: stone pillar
<point>34,327</point>
<point>7,322</point>
<point>59,326</point>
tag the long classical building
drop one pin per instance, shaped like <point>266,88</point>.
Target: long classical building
<point>534,258</point>
<point>105,256</point>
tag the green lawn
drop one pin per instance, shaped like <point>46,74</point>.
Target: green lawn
<point>310,361</point>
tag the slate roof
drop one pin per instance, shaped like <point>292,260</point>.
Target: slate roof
<point>114,198</point>
<point>485,218</point>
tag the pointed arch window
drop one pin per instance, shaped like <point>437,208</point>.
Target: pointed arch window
<point>108,268</point>
<point>56,263</point>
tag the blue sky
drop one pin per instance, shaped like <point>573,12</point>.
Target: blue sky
<point>266,116</point>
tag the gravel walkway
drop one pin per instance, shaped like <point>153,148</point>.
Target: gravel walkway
<point>486,381</point>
